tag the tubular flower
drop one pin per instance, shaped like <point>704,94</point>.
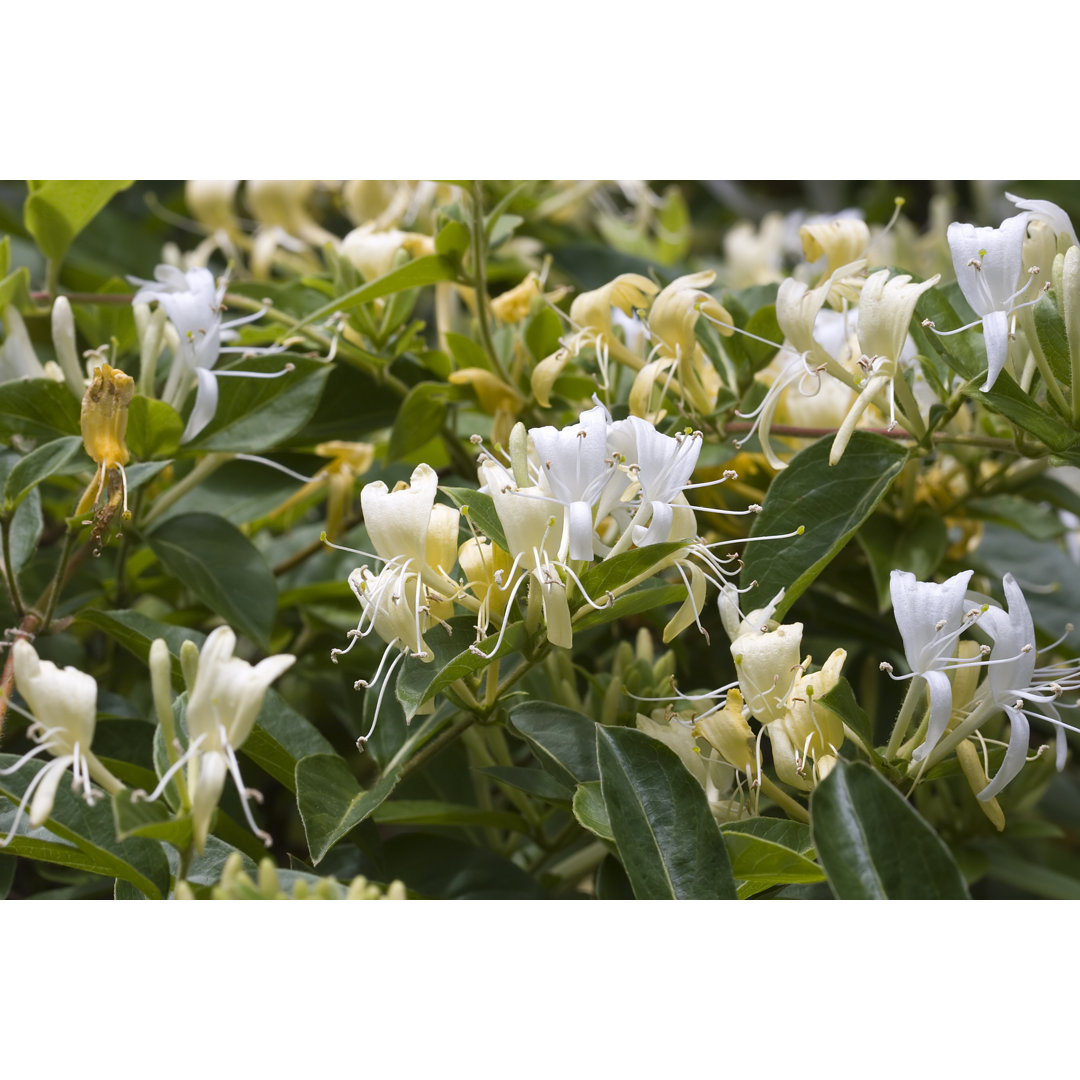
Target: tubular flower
<point>930,618</point>
<point>672,319</point>
<point>104,426</point>
<point>843,241</point>
<point>221,711</point>
<point>64,706</point>
<point>194,305</point>
<point>1013,678</point>
<point>988,266</point>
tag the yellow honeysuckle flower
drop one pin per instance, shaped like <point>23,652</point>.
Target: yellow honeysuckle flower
<point>104,426</point>
<point>841,241</point>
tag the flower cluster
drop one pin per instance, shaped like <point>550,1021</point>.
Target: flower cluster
<point>564,498</point>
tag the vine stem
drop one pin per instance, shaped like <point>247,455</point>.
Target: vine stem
<point>440,742</point>
<point>70,540</point>
<point>479,274</point>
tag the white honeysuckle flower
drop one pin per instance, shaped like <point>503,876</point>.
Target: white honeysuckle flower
<point>930,618</point>
<point>662,466</point>
<point>400,525</point>
<point>885,310</point>
<point>1051,213</point>
<point>534,527</point>
<point>576,468</point>
<point>988,264</point>
<point>222,707</point>
<point>1013,678</point>
<point>63,703</point>
<point>797,308</point>
<point>194,304</point>
<point>373,252</point>
<point>734,622</point>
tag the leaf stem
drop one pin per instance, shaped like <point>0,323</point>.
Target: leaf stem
<point>479,275</point>
<point>209,464</point>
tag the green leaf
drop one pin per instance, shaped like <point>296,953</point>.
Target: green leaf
<point>874,845</point>
<point>36,466</point>
<point>153,429</point>
<point>15,288</point>
<point>56,211</point>
<point>27,525</point>
<point>765,853</point>
<point>542,333</point>
<point>420,681</point>
<point>1050,330</point>
<point>434,812</point>
<point>564,741</point>
<point>1008,399</point>
<point>631,603</point>
<point>591,810</point>
<point>965,353</point>
<point>153,820</point>
<point>480,510</point>
<point>82,836</point>
<point>452,240</point>
<point>332,803</point>
<point>222,567</point>
<point>617,572</point>
<point>667,838</point>
<point>467,353</point>
<point>841,699</point>
<point>531,781</point>
<point>136,633</point>
<point>39,409</point>
<point>1035,521</point>
<point>830,501</point>
<point>426,270</point>
<point>418,420</point>
<point>281,738</point>
<point>762,323</point>
<point>254,415</point>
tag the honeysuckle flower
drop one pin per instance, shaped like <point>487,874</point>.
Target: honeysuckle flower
<point>487,568</point>
<point>808,731</point>
<point>534,528</point>
<point>194,304</point>
<point>406,525</point>
<point>1048,212</point>
<point>930,618</point>
<point>735,623</point>
<point>282,204</point>
<point>576,468</point>
<point>64,707</point>
<point>591,312</point>
<point>1013,678</point>
<point>767,664</point>
<point>672,319</point>
<point>104,427</point>
<point>727,731</point>
<point>63,335</point>
<point>797,308</point>
<point>754,256</point>
<point>374,252</point>
<point>988,269</point>
<point>222,707</point>
<point>842,241</point>
<point>885,309</point>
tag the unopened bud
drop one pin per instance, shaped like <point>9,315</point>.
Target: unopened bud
<point>63,335</point>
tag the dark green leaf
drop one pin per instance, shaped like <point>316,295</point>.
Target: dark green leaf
<point>1008,399</point>
<point>254,415</point>
<point>82,836</point>
<point>965,353</point>
<point>38,465</point>
<point>433,812</point>
<point>1050,330</point>
<point>467,353</point>
<point>563,741</point>
<point>27,525</point>
<point>480,510</point>
<point>37,408</point>
<point>667,838</point>
<point>830,501</point>
<point>452,240</point>
<point>531,781</point>
<point>282,737</point>
<point>154,428</point>
<point>222,568</point>
<point>764,853</point>
<point>1019,513</point>
<point>332,803</point>
<point>419,419</point>
<point>150,819</point>
<point>841,699</point>
<point>618,571</point>
<point>542,333</point>
<point>136,632</point>
<point>873,845</point>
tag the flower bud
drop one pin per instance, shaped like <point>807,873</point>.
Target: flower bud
<point>63,335</point>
